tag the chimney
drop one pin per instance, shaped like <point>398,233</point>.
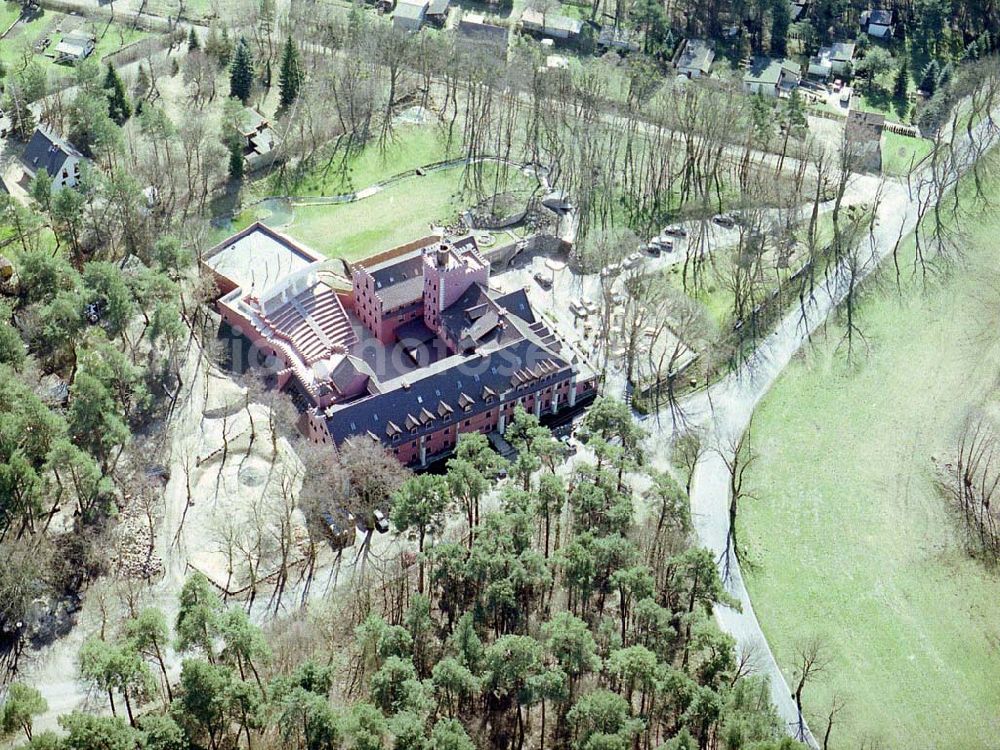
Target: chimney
<point>442,255</point>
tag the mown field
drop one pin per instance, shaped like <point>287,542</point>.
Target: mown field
<point>848,535</point>
<point>411,146</point>
<point>400,213</point>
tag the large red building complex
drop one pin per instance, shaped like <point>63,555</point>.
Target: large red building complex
<point>414,350</point>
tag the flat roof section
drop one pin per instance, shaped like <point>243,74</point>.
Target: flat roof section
<point>258,258</point>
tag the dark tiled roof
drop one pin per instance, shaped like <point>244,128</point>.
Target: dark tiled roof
<point>456,381</point>
<point>347,370</point>
<point>401,293</point>
<point>880,17</point>
<point>697,55</point>
<point>398,269</point>
<point>400,280</point>
<point>474,317</point>
<point>477,29</point>
<point>864,126</point>
<point>48,151</point>
<point>516,302</point>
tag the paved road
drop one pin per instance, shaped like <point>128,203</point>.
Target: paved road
<point>724,412</point>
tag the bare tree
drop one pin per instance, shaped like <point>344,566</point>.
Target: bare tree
<point>972,484</point>
<point>836,707</point>
<point>811,660</point>
<point>738,457</point>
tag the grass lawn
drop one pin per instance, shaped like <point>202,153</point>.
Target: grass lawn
<point>114,38</point>
<point>900,153</point>
<point>110,38</point>
<point>9,13</point>
<point>398,214</point>
<point>412,146</point>
<point>848,536</point>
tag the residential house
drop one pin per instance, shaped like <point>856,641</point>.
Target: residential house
<point>550,25</point>
<point>437,12</point>
<point>75,46</point>
<point>877,23</point>
<point>796,10</point>
<point>618,38</point>
<point>863,140</point>
<point>695,58</point>
<point>772,77</point>
<point>410,14</point>
<point>837,59</point>
<point>55,155</point>
<point>257,137</point>
<point>477,34</point>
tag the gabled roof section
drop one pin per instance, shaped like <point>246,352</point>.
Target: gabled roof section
<point>463,381</point>
<point>696,55</point>
<point>48,151</point>
<point>768,70</point>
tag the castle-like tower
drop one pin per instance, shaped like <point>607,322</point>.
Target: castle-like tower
<point>448,273</point>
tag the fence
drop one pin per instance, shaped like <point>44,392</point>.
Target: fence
<point>107,13</point>
<point>136,50</point>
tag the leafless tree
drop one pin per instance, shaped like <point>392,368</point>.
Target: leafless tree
<point>811,660</point>
<point>688,450</point>
<point>973,485</point>
<point>837,706</point>
<point>738,457</point>
<point>199,73</point>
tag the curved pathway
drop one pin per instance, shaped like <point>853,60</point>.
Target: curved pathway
<point>723,412</point>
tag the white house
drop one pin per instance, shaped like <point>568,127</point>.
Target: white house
<point>695,58</point>
<point>833,60</point>
<point>75,46</point>
<point>551,25</point>
<point>410,14</point>
<point>772,76</point>
<point>48,151</point>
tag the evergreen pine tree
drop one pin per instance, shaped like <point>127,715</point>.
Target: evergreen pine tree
<point>290,76</point>
<point>235,160</point>
<point>225,51</point>
<point>902,86</point>
<point>15,104</point>
<point>119,108</point>
<point>780,20</point>
<point>929,80</point>
<point>142,82</point>
<point>193,43</point>
<point>241,72</point>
